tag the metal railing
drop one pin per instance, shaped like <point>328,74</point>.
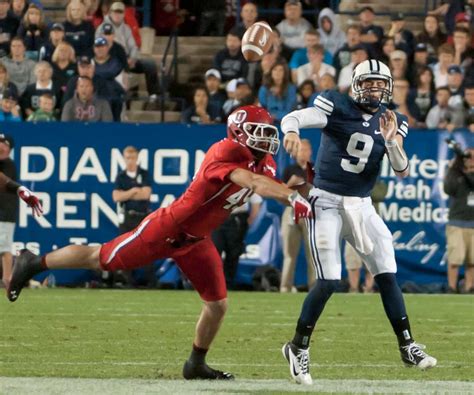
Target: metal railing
<point>168,73</point>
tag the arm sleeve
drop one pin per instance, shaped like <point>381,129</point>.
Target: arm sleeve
<point>68,112</point>
<point>223,158</point>
<point>307,117</point>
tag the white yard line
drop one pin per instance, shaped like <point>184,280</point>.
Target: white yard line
<point>45,385</point>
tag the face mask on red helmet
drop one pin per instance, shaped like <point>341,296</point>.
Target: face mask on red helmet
<point>252,126</point>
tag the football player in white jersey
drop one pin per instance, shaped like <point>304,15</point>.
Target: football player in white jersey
<point>357,132</point>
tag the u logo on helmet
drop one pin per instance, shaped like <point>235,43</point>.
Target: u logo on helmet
<point>238,117</point>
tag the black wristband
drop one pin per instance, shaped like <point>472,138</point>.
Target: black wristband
<point>12,186</point>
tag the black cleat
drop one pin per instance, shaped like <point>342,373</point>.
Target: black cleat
<point>204,372</point>
<point>413,355</point>
<point>26,266</point>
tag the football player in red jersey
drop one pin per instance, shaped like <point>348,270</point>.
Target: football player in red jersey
<point>232,170</point>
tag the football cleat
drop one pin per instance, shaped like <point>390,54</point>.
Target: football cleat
<point>26,266</point>
<point>204,372</point>
<point>298,359</point>
<point>413,355</point>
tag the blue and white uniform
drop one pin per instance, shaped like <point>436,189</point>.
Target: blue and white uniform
<point>347,166</point>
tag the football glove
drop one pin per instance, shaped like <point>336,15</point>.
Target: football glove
<point>301,207</point>
<point>31,200</point>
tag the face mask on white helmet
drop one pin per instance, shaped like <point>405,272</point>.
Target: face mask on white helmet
<point>373,96</point>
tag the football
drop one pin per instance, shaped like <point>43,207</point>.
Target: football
<point>256,41</point>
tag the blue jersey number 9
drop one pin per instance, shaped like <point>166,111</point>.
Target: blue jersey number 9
<point>360,153</point>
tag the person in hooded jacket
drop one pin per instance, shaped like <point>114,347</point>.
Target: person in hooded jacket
<point>332,37</point>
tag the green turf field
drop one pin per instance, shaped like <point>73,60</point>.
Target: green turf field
<point>148,334</point>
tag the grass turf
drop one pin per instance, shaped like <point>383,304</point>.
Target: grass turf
<point>148,334</point>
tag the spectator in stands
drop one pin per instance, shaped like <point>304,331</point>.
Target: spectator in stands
<point>248,16</point>
<point>332,37</point>
<point>420,61</point>
<point>34,31</point>
<point>440,69</point>
<point>130,18</point>
<point>300,56</point>
<point>45,111</point>
<point>306,91</point>
<point>422,98</point>
<point>316,68</point>
<point>64,65</point>
<point>401,89</point>
<point>5,83</point>
<point>404,39</point>
<point>459,185</point>
<point>108,90</point>
<point>442,116</point>
<point>293,234</point>
<point>278,47</point>
<point>469,107</point>
<point>201,111</point>
<point>29,101</point>
<point>18,8</point>
<point>327,82</point>
<point>398,64</point>
<point>211,17</point>
<point>449,10</point>
<point>116,50</point>
<point>455,85</point>
<point>229,61</point>
<point>9,109</point>
<point>78,31</point>
<point>277,94</point>
<point>20,69</point>
<point>463,51</point>
<point>293,27</point>
<point>388,46</point>
<point>85,106</point>
<point>8,27</point>
<point>359,53</point>
<point>107,67</point>
<point>56,35</point>
<point>343,55</point>
<point>242,96</point>
<point>432,36</point>
<point>372,35</point>
<point>255,74</point>
<point>217,96</point>
<point>124,36</point>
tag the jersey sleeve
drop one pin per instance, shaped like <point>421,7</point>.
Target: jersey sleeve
<point>325,102</point>
<point>402,121</point>
<point>223,158</point>
<point>269,167</point>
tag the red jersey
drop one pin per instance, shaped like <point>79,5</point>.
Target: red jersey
<point>212,196</point>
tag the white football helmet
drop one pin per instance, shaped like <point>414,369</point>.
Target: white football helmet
<point>375,70</point>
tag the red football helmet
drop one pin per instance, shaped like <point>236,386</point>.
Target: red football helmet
<point>253,126</point>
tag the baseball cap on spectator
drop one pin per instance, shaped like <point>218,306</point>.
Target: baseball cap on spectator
<point>9,94</point>
<point>231,86</point>
<point>107,29</point>
<point>367,8</point>
<point>462,17</point>
<point>57,26</point>
<point>454,69</point>
<point>213,73</point>
<point>397,16</point>
<point>117,7</point>
<point>398,55</point>
<point>241,81</point>
<point>100,41</point>
<point>6,138</point>
<point>421,47</point>
<point>84,60</point>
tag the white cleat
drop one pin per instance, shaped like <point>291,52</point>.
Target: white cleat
<point>298,359</point>
<point>413,355</point>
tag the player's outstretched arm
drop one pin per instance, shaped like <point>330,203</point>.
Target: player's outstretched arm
<point>294,121</point>
<point>394,144</point>
<point>267,188</point>
<point>8,185</point>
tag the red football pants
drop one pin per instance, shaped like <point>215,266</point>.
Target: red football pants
<point>152,239</point>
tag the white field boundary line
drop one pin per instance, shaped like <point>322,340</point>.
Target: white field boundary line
<point>46,385</point>
<point>445,365</point>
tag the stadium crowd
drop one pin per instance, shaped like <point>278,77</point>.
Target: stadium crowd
<point>78,69</point>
